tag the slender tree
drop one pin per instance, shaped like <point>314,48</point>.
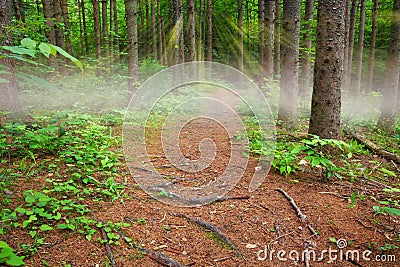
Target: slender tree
<point>209,30</point>
<point>131,23</point>
<point>261,42</point>
<point>306,45</point>
<point>269,39</point>
<point>277,40</point>
<point>104,27</point>
<point>153,30</point>
<point>116,29</point>
<point>328,76</point>
<point>371,58</point>
<point>48,12</point>
<point>359,61</point>
<point>19,15</point>
<point>200,51</point>
<point>387,118</point>
<point>290,56</point>
<point>96,27</point>
<point>67,27</point>
<point>59,19</point>
<point>345,84</point>
<point>352,26</point>
<point>191,31</point>
<point>8,90</point>
<point>240,34</point>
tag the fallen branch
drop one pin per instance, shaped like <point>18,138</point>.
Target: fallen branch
<point>374,148</point>
<point>108,247</point>
<point>210,227</point>
<point>277,227</point>
<point>291,201</point>
<point>156,256</point>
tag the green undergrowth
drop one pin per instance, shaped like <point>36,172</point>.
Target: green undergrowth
<point>69,160</point>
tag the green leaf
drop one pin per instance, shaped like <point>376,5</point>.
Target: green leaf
<point>28,43</point>
<point>65,54</point>
<point>393,211</point>
<point>390,173</point>
<point>14,260</point>
<point>45,49</point>
<point>332,239</point>
<point>19,50</point>
<point>46,227</point>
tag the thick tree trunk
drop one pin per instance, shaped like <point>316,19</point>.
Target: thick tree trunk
<point>131,23</point>
<point>153,29</point>
<point>8,90</point>
<point>240,35</point>
<point>48,12</point>
<point>305,54</point>
<point>328,76</point>
<point>352,28</point>
<point>357,79</point>
<point>390,91</point>
<point>191,31</point>
<point>371,58</point>
<point>269,39</point>
<point>59,20</point>
<point>85,35</point>
<point>67,27</point>
<point>209,30</point>
<point>277,40</point>
<point>96,25</point>
<point>345,84</point>
<point>290,57</point>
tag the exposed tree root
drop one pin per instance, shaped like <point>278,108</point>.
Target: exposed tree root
<point>210,227</point>
<point>291,201</point>
<point>373,147</point>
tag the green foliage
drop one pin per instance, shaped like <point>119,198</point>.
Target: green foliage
<point>8,256</point>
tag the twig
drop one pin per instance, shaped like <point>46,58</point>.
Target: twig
<point>395,165</point>
<point>333,194</point>
<point>291,201</point>
<point>277,227</point>
<point>222,259</point>
<point>156,256</point>
<point>106,244</point>
<point>210,227</point>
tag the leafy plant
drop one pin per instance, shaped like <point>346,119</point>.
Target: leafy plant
<point>8,256</point>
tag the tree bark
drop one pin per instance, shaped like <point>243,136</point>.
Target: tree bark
<point>131,23</point>
<point>360,50</point>
<point>104,27</point>
<point>328,71</point>
<point>240,35</point>
<point>59,20</point>
<point>269,39</point>
<point>191,31</point>
<point>290,57</point>
<point>85,35</point>
<point>80,27</point>
<point>96,26</point>
<point>200,51</point>
<point>48,12</point>
<point>209,30</point>
<point>387,118</point>
<point>305,54</point>
<point>153,28</point>
<point>116,28</point>
<point>352,26</point>
<point>17,10</point>
<point>277,40</point>
<point>9,90</point>
<point>371,58</point>
<point>67,27</point>
<point>261,42</point>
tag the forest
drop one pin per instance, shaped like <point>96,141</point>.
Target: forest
<point>199,133</point>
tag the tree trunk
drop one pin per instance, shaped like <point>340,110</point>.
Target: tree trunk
<point>148,27</point>
<point>387,118</point>
<point>290,57</point>
<point>345,84</point>
<point>131,23</point>
<point>96,25</point>
<point>371,59</point>
<point>328,76</point>
<point>48,12</point>
<point>305,54</point>
<point>59,20</point>
<point>352,27</point>
<point>104,24</point>
<point>8,90</point>
<point>240,35</point>
<point>116,28</point>
<point>111,26</point>
<point>85,35</point>
<point>67,27</point>
<point>17,10</point>
<point>191,31</point>
<point>261,42</point>
<point>277,40</point>
<point>181,38</point>
<point>163,42</point>
<point>153,28</point>
<point>200,54</point>
<point>80,27</point>
<point>209,30</point>
<point>269,39</point>
<point>357,79</point>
